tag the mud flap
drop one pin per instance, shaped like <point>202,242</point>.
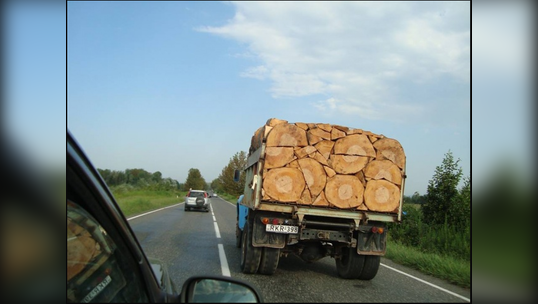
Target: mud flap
<point>267,239</point>
<point>370,243</point>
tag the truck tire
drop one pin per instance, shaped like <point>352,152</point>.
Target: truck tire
<point>250,255</point>
<point>269,260</point>
<point>350,264</point>
<point>371,266</point>
<point>238,236</point>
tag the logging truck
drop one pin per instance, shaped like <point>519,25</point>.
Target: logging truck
<point>319,190</point>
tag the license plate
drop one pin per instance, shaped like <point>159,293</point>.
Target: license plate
<point>281,228</point>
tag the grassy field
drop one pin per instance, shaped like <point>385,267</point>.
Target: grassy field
<point>451,269</point>
<point>137,202</point>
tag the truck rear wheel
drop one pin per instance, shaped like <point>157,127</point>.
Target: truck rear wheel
<point>238,236</point>
<point>269,260</point>
<point>371,266</point>
<point>250,255</point>
<point>350,264</point>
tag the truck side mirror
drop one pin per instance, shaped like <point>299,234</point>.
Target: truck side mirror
<point>237,174</point>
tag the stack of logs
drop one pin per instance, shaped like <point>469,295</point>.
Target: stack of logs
<point>330,165</point>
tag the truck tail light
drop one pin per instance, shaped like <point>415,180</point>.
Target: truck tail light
<point>377,230</point>
<point>267,220</point>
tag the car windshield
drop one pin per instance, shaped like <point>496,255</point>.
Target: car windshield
<point>196,194</point>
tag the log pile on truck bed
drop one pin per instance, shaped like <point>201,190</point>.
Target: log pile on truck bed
<point>330,165</point>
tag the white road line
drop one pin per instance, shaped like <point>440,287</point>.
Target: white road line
<point>224,262</point>
<point>152,212</point>
<point>214,219</point>
<point>217,230</point>
<point>427,283</point>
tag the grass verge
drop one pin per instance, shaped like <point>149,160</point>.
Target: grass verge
<point>448,268</point>
<point>142,201</point>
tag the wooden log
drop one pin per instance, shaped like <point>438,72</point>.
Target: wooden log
<point>314,175</point>
<point>383,169</point>
<point>266,197</point>
<point>360,175</point>
<point>341,128</point>
<point>276,157</point>
<point>391,149</point>
<point>325,147</point>
<point>293,164</point>
<point>347,164</point>
<point>256,140</point>
<point>320,133</point>
<point>258,137</point>
<point>82,248</point>
<point>329,171</point>
<point>356,144</point>
<point>381,195</point>
<point>362,207</point>
<point>271,122</point>
<point>302,152</point>
<point>344,191</point>
<point>337,133</point>
<point>325,127</point>
<point>306,197</point>
<point>354,131</point>
<point>321,200</point>
<point>373,138</point>
<point>317,156</point>
<point>284,184</point>
<point>286,135</point>
<point>302,125</point>
<point>313,138</point>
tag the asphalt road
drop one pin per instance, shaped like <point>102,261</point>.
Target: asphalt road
<point>196,242</point>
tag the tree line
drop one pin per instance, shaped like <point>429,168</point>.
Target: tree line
<point>138,179</point>
<point>130,179</point>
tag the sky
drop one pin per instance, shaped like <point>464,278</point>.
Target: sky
<point>169,86</point>
<point>172,85</point>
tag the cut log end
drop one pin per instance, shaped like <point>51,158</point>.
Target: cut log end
<point>382,196</point>
<point>284,184</point>
<point>384,169</point>
<point>344,191</point>
<point>286,135</point>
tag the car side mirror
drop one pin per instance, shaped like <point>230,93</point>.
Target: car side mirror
<point>218,289</point>
<point>237,175</point>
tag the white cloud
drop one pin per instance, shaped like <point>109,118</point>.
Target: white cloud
<point>258,72</point>
<point>360,54</point>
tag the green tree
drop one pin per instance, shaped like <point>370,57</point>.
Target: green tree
<point>460,212</point>
<point>443,193</point>
<point>225,179</point>
<point>215,185</point>
<point>195,180</point>
<point>157,177</point>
